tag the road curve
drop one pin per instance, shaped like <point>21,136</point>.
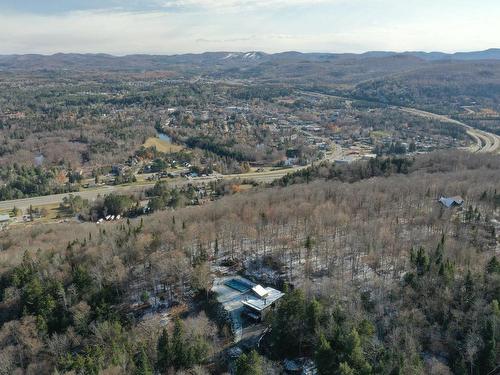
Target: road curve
<point>485,142</point>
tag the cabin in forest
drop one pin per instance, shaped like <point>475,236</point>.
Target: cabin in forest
<point>245,301</point>
<point>450,202</point>
<point>260,301</point>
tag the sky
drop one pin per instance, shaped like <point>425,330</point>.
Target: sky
<point>123,27</point>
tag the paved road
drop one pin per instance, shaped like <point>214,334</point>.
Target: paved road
<point>24,204</point>
<point>485,142</point>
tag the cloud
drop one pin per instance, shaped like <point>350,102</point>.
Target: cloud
<point>269,26</point>
<point>241,5</point>
<point>64,6</point>
<point>92,31</point>
<point>224,41</point>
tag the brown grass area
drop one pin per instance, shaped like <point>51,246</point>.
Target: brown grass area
<point>53,212</point>
<point>162,146</point>
<point>488,112</point>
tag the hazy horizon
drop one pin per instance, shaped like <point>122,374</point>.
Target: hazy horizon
<point>168,27</point>
<point>248,51</point>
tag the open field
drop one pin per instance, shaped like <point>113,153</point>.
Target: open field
<point>162,145</point>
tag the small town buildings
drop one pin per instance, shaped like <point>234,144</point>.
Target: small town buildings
<point>347,159</point>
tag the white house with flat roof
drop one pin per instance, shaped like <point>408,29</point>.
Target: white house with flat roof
<point>260,301</point>
<point>242,299</point>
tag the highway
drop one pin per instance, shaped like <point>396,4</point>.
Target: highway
<point>485,142</point>
<point>92,194</point>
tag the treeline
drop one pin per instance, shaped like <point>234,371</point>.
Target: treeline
<point>111,204</point>
<point>260,92</point>
<point>223,150</point>
<point>348,173</point>
<point>23,181</point>
<point>163,196</point>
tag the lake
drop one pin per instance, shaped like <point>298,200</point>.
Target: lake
<point>164,137</point>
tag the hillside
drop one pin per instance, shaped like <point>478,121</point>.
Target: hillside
<point>386,272</point>
<point>105,61</point>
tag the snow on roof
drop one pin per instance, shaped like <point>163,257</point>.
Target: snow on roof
<point>260,291</point>
<point>233,296</point>
<point>260,303</point>
<point>451,201</point>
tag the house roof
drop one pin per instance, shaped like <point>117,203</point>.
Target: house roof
<point>260,291</point>
<point>238,294</point>
<point>451,201</point>
<point>259,304</point>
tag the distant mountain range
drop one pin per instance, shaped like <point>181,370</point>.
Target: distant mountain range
<point>225,60</point>
<point>489,54</point>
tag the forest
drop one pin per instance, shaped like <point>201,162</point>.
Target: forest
<point>379,277</point>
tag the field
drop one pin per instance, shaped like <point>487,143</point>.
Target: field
<point>162,145</point>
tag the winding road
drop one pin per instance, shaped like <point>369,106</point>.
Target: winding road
<point>485,142</point>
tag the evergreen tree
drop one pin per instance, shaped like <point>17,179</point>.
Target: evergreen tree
<point>249,364</point>
<point>164,352</point>
<point>313,314</point>
<point>355,354</point>
<point>345,369</point>
<point>493,265</point>
<point>216,247</point>
<point>420,260</point>
<point>324,357</point>
<point>469,289</point>
<point>487,358</point>
<point>178,349</point>
<point>143,365</point>
<point>289,324</point>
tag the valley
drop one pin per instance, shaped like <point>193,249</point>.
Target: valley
<point>250,213</point>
